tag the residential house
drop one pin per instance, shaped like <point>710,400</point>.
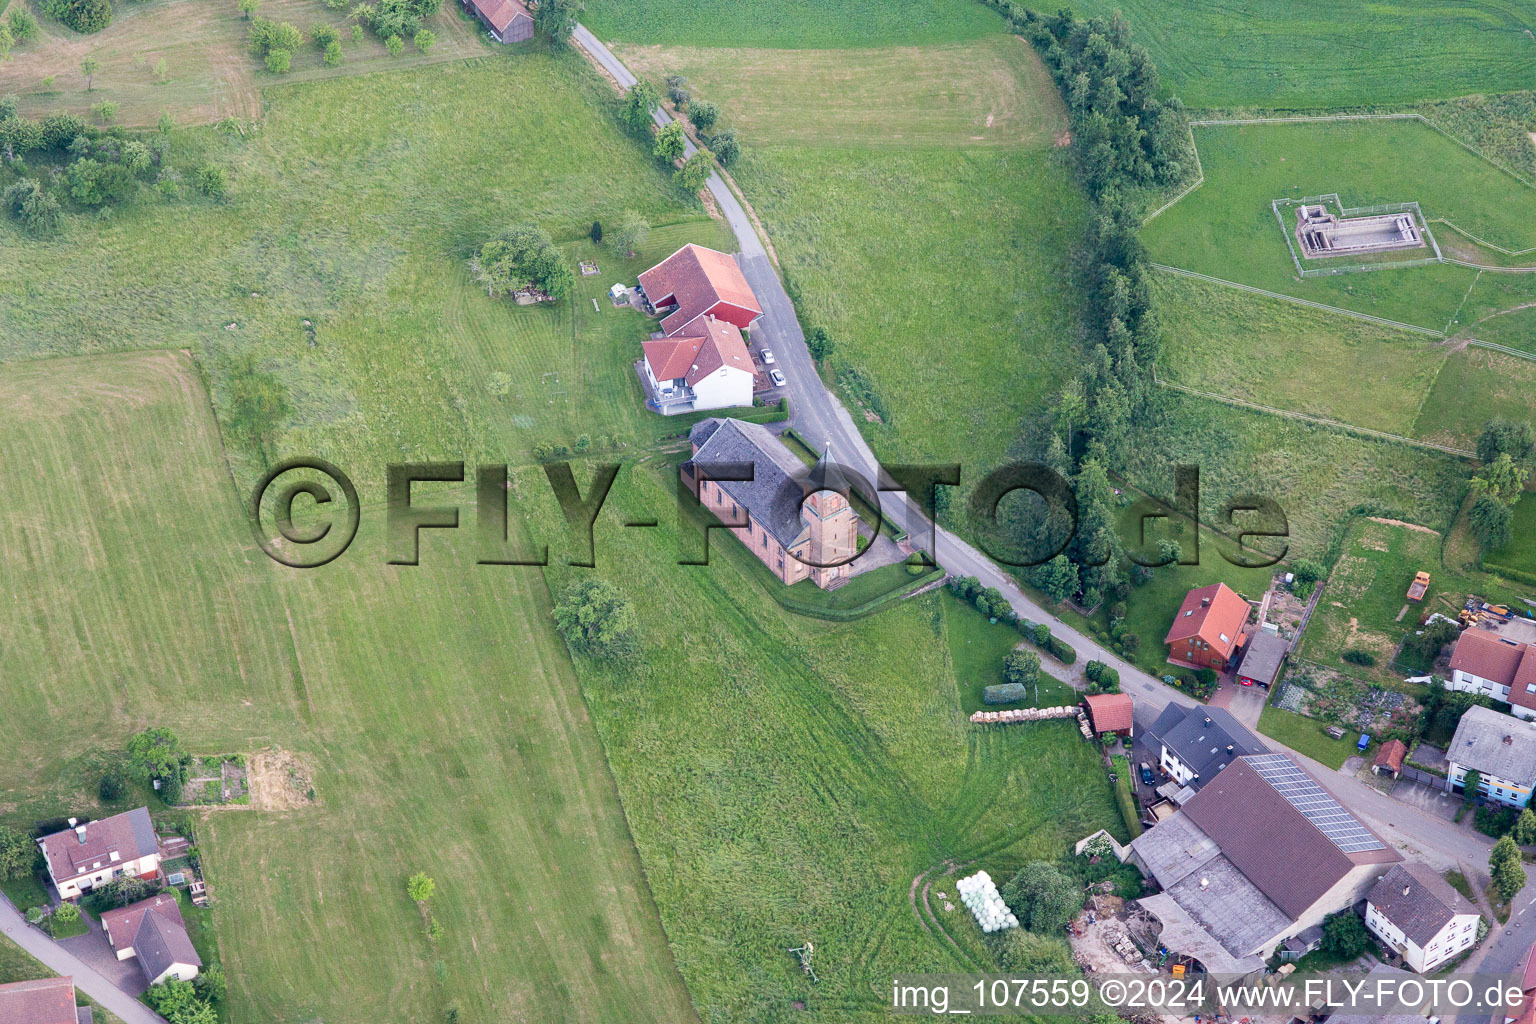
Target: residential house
<point>1501,749</point>
<point>508,21</point>
<point>1391,1013</point>
<point>1110,713</point>
<point>154,931</point>
<point>1390,758</point>
<point>1503,668</point>
<point>795,519</point>
<point>1195,743</point>
<point>43,1001</point>
<point>1259,855</point>
<point>85,856</point>
<point>1208,628</point>
<point>695,282</point>
<point>1263,657</point>
<point>1417,913</point>
<point>1522,1009</point>
<point>708,367</point>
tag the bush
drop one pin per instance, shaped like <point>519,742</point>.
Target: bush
<point>210,181</point>
<point>1021,668</point>
<point>1306,573</point>
<point>324,35</point>
<point>111,788</point>
<point>333,55</point>
<point>279,61</point>
<point>1345,936</point>
<point>520,257</point>
<point>66,913</point>
<point>1104,678</point>
<point>1042,896</point>
<point>1494,821</point>
<point>1004,693</point>
<point>23,25</point>
<point>81,15</point>
<point>395,45</point>
<point>726,147</point>
<point>1061,651</point>
<point>596,620</point>
<point>703,114</point>
<point>1355,656</point>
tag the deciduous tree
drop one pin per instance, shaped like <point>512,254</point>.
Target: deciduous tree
<point>1043,897</point>
<point>88,67</point>
<point>420,887</point>
<point>693,175</point>
<point>630,235</point>
<point>596,620</point>
<point>670,142</point>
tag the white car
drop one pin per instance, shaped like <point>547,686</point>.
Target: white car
<point>777,378</point>
<point>767,358</point>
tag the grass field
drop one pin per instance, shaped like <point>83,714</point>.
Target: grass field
<point>1267,351</point>
<point>209,70</point>
<point>435,706</point>
<point>977,648</point>
<point>1520,553</point>
<point>788,779</point>
<point>1515,328</point>
<point>792,25</point>
<point>1474,386</point>
<point>1226,228</point>
<point>1307,735</point>
<point>985,91</point>
<point>1313,55</point>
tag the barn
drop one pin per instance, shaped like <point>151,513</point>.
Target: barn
<point>508,21</point>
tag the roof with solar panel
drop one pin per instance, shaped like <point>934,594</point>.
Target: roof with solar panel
<point>1302,792</point>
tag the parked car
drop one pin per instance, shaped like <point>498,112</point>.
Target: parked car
<point>1146,774</point>
<point>777,378</point>
<point>767,357</point>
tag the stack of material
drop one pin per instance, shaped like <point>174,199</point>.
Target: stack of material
<point>979,894</point>
<point>1025,715</point>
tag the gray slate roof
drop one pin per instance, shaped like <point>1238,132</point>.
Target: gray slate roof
<point>1418,901</point>
<point>1199,736</point>
<point>162,943</point>
<point>1495,744</point>
<point>774,494</point>
<point>1261,660</point>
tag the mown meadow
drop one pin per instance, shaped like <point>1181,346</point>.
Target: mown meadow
<point>794,24</point>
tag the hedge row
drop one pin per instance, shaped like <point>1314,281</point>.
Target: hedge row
<point>991,603</point>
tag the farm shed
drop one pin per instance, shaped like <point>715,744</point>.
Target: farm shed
<point>508,21</point>
<point>1109,712</point>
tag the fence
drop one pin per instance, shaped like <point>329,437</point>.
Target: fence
<point>1425,778</point>
<point>1380,209</point>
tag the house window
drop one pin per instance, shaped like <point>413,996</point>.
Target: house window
<point>765,540</point>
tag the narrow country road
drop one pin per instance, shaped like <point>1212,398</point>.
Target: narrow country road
<point>821,418</point>
<point>65,964</point>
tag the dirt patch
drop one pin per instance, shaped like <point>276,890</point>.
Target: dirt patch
<point>280,780</point>
<point>1406,526</point>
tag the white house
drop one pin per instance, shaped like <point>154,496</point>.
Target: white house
<point>85,856</point>
<point>1418,914</point>
<point>154,931</point>
<point>1504,669</point>
<point>1501,749</point>
<point>709,367</point>
<point>1194,744</point>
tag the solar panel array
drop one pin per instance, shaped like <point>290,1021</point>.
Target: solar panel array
<point>1302,792</point>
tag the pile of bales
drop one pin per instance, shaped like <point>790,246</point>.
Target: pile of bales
<point>980,895</point>
<point>1025,715</point>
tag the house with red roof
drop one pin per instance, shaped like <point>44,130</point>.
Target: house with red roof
<point>695,282</point>
<point>508,21</point>
<point>1504,669</point>
<point>1109,712</point>
<point>1208,629</point>
<point>43,1001</point>
<point>705,367</point>
<point>95,852</point>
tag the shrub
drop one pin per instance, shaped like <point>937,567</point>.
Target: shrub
<point>596,620</point>
<point>1344,935</point>
<point>420,887</point>
<point>726,148</point>
<point>1021,668</point>
<point>425,39</point>
<point>1306,573</point>
<point>1104,678</point>
<point>111,788</point>
<point>521,256</point>
<point>1042,896</point>
<point>81,15</point>
<point>395,45</point>
<point>703,114</point>
<point>333,55</point>
<point>66,913</point>
<point>1355,656</point>
<point>17,854</point>
<point>279,61</point>
<point>23,25</point>
<point>210,181</point>
<point>1061,651</point>
<point>324,35</point>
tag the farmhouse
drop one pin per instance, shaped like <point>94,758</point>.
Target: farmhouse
<point>1196,743</point>
<point>796,521</point>
<point>695,282</point>
<point>1501,749</point>
<point>508,21</point>
<point>706,367</point>
<point>1208,628</point>
<point>153,930</point>
<point>43,1001</point>
<point>1502,668</point>
<point>85,856</point>
<point>1261,854</point>
<point>1110,713</point>
<point>1263,656</point>
<point>1417,913</point>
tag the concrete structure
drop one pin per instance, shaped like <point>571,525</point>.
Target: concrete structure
<point>85,856</point>
<point>508,21</point>
<point>1261,854</point>
<point>695,282</point>
<point>1196,743</point>
<point>1417,913</point>
<point>1502,750</point>
<point>154,931</point>
<point>1323,233</point>
<point>795,519</point>
<point>1110,713</point>
<point>1498,666</point>
<point>1208,628</point>
<point>1263,658</point>
<point>708,368</point>
<point>43,1001</point>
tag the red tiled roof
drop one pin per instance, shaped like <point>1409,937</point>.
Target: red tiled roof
<point>501,13</point>
<point>1391,755</point>
<point>695,358</point>
<point>1109,712</point>
<point>128,836</point>
<point>44,1001</point>
<point>1215,614</point>
<point>1481,653</point>
<point>1524,1012</point>
<point>696,278</point>
<point>122,924</point>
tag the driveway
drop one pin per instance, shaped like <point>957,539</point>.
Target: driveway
<point>96,952</point>
<point>66,964</point>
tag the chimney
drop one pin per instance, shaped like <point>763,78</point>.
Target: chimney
<point>1205,883</point>
<point>1229,748</point>
<point>1207,721</point>
<point>80,834</point>
<point>1204,601</point>
<point>1508,740</point>
<point>1406,889</point>
<point>73,822</point>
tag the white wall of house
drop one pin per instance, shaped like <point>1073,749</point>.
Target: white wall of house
<point>1457,936</point>
<point>726,388</point>
<point>1469,683</point>
<point>1180,771</point>
<point>181,972</point>
<point>75,886</point>
<point>1504,791</point>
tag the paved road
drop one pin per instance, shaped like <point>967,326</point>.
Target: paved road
<point>821,418</point>
<point>66,964</point>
